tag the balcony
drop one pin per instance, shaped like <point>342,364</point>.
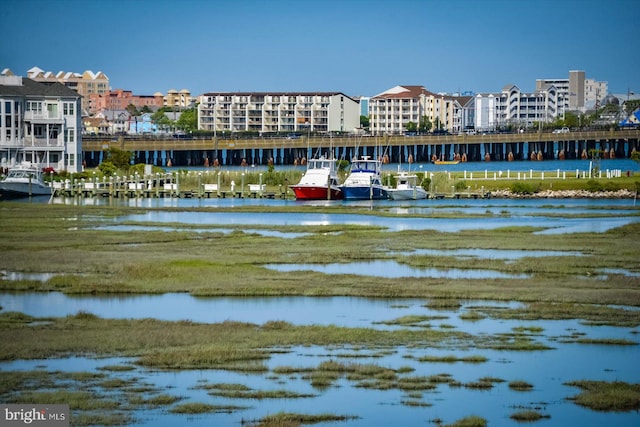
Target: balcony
<point>32,141</point>
<point>43,117</point>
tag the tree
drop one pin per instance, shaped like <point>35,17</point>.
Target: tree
<point>425,124</point>
<point>188,120</point>
<point>364,122</point>
<point>131,109</point>
<point>120,159</point>
<point>411,127</point>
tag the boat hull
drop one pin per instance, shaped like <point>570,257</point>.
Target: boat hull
<point>16,190</point>
<point>303,192</point>
<point>364,193</point>
<point>407,194</point>
<point>446,162</point>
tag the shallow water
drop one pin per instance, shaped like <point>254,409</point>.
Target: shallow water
<point>394,269</point>
<point>552,224</point>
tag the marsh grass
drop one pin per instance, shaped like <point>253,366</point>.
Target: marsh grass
<point>606,396</point>
<point>101,419</point>
<point>412,320</point>
<point>453,359</point>
<point>519,385</point>
<point>286,419</point>
<point>205,408</point>
<point>528,416</point>
<point>470,421</point>
<point>415,403</point>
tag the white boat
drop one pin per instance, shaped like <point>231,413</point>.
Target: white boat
<point>365,180</point>
<point>407,188</point>
<point>23,182</point>
<point>319,182</point>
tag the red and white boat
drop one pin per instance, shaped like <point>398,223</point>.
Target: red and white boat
<point>319,182</point>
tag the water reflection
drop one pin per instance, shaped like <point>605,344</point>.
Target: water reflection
<point>449,225</point>
<point>16,276</point>
<point>493,253</point>
<point>394,269</point>
<point>266,233</point>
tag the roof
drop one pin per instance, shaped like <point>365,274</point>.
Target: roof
<point>32,88</point>
<point>277,94</point>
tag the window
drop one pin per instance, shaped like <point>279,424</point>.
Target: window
<point>52,110</point>
<point>34,106</point>
<point>69,109</point>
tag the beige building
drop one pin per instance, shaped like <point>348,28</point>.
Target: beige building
<point>177,99</point>
<point>391,111</point>
<point>85,84</point>
<point>265,112</point>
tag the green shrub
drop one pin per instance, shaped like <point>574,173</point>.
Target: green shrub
<point>523,188</point>
<point>593,186</point>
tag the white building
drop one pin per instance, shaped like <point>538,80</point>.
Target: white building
<point>577,93</point>
<point>266,112</point>
<point>40,123</point>
<point>391,111</point>
<point>515,108</point>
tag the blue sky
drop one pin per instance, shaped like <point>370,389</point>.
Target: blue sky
<point>353,46</point>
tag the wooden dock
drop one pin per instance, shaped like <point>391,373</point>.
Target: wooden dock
<point>141,189</point>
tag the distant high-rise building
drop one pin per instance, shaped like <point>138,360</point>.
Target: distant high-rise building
<point>577,93</point>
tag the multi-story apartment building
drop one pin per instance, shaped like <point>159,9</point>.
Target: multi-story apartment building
<point>85,84</point>
<point>178,100</point>
<point>392,110</point>
<point>266,112</point>
<point>576,93</point>
<point>512,107</point>
<point>40,123</point>
<point>120,99</point>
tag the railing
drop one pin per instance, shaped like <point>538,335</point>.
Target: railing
<point>238,143</point>
<point>43,117</point>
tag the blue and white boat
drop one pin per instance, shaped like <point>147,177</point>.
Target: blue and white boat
<point>364,181</point>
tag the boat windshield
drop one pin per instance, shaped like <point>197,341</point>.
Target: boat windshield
<point>320,164</point>
<point>21,173</point>
<point>370,166</point>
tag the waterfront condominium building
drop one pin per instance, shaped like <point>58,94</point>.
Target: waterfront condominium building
<point>267,112</point>
<point>512,107</point>
<point>391,111</point>
<point>40,123</point>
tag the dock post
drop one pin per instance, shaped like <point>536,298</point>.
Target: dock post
<point>219,178</point>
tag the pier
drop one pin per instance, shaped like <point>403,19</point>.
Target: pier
<point>238,150</point>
